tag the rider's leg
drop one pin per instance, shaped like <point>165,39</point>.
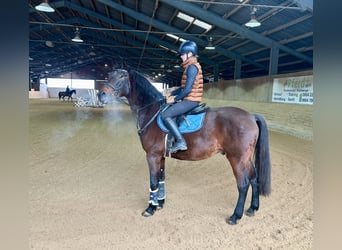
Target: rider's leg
<point>180,143</point>
<point>175,110</point>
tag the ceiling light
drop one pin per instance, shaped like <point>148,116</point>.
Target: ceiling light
<point>49,44</point>
<point>44,6</point>
<point>92,53</point>
<point>253,22</point>
<point>210,45</point>
<point>77,37</point>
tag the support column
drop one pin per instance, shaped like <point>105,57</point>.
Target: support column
<point>237,69</point>
<point>274,57</point>
<point>216,73</point>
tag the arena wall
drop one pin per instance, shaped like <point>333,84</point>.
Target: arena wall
<point>255,95</point>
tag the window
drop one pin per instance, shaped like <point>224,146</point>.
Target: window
<point>175,37</point>
<point>72,83</point>
<point>195,21</point>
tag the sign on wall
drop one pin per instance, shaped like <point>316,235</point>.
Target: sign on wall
<point>297,90</point>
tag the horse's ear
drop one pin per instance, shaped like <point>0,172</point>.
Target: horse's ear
<point>125,66</point>
<point>131,74</point>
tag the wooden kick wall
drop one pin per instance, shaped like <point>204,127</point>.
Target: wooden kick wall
<point>255,95</point>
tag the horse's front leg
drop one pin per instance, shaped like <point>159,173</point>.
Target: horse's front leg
<point>161,185</point>
<point>157,184</point>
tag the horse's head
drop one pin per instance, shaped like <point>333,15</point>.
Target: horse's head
<point>117,86</point>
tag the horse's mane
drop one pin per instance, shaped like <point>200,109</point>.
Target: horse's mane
<point>146,90</point>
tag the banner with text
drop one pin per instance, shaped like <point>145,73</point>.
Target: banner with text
<point>293,90</point>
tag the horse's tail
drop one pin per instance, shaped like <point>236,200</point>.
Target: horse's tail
<point>262,157</point>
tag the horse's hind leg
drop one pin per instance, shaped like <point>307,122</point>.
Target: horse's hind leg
<point>255,194</point>
<point>245,175</point>
<point>243,189</point>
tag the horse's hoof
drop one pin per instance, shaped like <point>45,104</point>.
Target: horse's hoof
<point>250,212</point>
<point>232,220</point>
<point>149,210</point>
<point>146,214</point>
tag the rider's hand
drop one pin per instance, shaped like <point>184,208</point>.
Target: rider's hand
<point>170,99</point>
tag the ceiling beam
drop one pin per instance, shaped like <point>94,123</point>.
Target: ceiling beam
<point>218,21</point>
<point>169,29</point>
<point>113,44</point>
<point>305,4</point>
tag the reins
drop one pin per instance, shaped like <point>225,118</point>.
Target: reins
<point>141,130</point>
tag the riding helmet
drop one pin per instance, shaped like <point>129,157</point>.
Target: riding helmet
<point>188,46</point>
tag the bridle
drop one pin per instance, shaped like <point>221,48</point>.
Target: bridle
<point>118,86</point>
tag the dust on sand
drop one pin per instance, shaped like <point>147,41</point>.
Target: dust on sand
<point>89,183</point>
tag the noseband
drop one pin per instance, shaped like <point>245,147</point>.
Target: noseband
<point>118,85</point>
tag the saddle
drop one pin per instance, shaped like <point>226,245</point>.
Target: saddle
<point>200,108</point>
<point>189,122</point>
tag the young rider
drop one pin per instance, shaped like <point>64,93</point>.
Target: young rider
<point>188,96</point>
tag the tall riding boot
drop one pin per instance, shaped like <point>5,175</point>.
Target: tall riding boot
<point>180,143</point>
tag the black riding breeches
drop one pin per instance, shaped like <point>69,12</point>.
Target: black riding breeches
<point>178,108</point>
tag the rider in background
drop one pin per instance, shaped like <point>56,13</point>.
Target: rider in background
<point>188,96</point>
<point>67,90</point>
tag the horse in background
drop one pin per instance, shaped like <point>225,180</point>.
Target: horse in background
<point>69,94</point>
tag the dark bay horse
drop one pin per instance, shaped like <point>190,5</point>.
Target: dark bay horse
<point>69,94</point>
<point>240,136</point>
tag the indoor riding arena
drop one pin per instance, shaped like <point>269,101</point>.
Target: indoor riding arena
<point>89,184</point>
<point>88,174</point>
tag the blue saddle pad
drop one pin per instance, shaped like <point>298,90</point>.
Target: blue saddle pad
<point>191,123</point>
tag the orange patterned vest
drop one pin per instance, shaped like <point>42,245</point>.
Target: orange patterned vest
<point>197,88</point>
